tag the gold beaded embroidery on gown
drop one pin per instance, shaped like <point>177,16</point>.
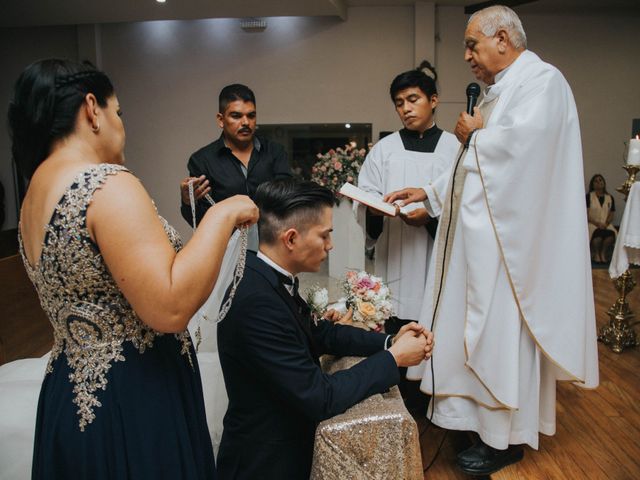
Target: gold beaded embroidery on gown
<point>91,318</point>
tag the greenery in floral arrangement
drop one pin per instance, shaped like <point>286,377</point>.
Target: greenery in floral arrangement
<point>337,167</point>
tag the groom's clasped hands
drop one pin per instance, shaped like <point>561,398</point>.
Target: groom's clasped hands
<point>412,344</point>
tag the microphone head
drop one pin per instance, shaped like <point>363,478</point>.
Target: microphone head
<point>473,90</point>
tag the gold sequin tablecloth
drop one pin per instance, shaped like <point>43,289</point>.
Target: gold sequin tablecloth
<point>375,439</point>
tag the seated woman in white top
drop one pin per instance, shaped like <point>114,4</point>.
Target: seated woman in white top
<point>600,209</point>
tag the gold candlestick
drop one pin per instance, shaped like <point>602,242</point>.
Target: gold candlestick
<point>626,186</point>
<point>619,334</point>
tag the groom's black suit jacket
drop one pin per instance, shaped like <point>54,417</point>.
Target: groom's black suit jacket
<point>277,392</point>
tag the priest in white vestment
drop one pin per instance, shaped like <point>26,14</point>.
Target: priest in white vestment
<point>511,315</point>
<point>406,158</point>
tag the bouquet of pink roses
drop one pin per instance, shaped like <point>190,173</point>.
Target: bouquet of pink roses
<point>339,166</point>
<point>370,299</point>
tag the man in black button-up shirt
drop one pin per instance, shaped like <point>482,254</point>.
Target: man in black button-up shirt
<point>238,161</point>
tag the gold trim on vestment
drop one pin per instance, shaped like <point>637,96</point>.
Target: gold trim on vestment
<point>505,405</point>
<point>466,348</point>
<point>468,397</point>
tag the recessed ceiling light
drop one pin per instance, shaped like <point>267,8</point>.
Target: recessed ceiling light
<point>161,1</point>
<point>347,125</point>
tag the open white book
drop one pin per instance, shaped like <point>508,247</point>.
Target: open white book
<point>369,199</point>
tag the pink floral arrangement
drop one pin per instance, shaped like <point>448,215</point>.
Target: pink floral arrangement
<point>337,167</point>
<point>370,299</point>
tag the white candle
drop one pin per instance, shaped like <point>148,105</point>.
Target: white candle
<point>633,158</point>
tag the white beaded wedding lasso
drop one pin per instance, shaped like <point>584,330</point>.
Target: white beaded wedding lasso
<point>239,270</point>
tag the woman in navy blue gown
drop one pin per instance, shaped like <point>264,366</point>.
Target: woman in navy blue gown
<point>122,396</point>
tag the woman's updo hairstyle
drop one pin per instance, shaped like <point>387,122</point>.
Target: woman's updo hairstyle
<point>45,104</point>
<point>416,78</point>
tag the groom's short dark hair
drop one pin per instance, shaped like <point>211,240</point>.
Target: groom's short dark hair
<point>289,203</point>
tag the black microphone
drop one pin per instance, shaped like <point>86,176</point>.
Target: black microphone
<point>473,91</point>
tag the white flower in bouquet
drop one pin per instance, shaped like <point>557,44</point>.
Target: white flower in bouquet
<point>386,308</point>
<point>340,306</point>
<point>383,293</point>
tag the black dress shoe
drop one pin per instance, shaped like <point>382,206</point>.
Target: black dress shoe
<point>481,459</point>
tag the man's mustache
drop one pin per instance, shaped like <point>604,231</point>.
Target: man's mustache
<point>245,130</point>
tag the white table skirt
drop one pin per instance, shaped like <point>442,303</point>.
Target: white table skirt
<point>627,249</point>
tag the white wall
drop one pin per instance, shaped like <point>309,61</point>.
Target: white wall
<point>314,70</point>
<point>453,73</point>
<point>598,56</point>
<point>303,70</point>
<point>18,48</point>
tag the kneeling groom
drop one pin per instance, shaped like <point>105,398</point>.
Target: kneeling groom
<point>269,347</point>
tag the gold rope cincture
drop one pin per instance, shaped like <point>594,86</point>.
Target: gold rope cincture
<point>238,272</point>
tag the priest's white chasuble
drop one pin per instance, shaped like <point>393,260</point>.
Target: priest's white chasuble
<point>403,251</point>
<point>509,290</point>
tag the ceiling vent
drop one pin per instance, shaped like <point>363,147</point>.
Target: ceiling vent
<point>253,24</point>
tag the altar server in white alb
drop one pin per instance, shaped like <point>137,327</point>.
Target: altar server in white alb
<point>420,151</point>
<point>511,285</point>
